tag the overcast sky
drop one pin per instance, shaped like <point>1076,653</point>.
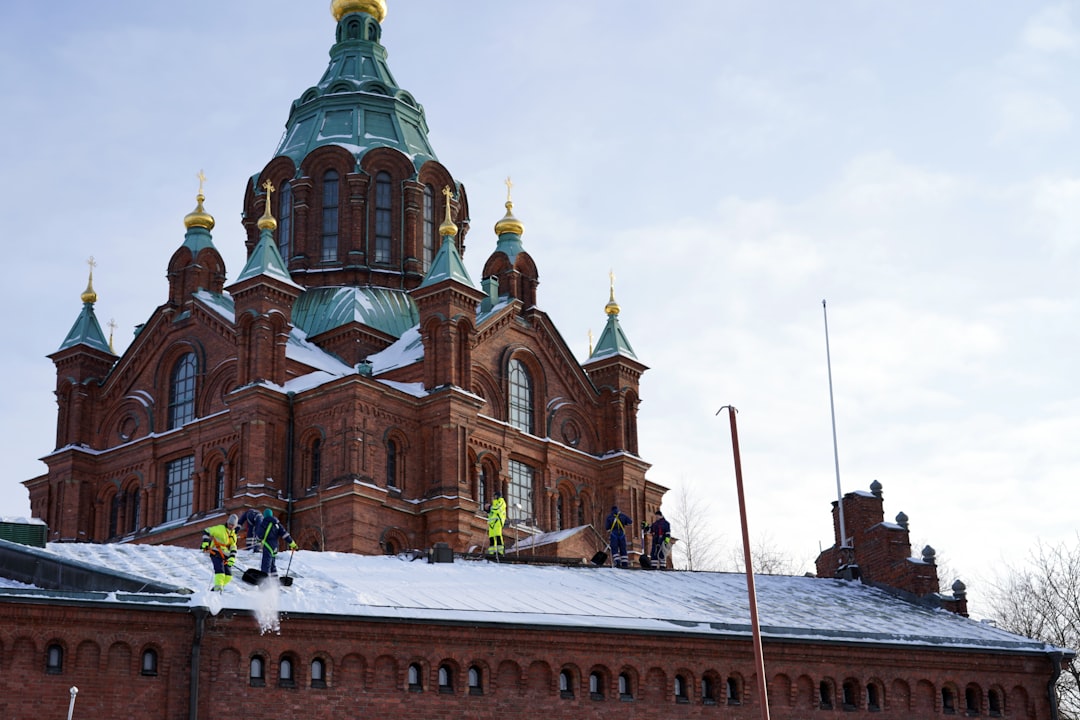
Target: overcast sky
<point>734,163</point>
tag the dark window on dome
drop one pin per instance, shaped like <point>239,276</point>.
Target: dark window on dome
<point>330,212</point>
<point>429,226</point>
<point>382,217</point>
<point>182,391</point>
<point>285,224</point>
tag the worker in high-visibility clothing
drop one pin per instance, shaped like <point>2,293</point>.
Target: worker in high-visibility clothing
<point>219,541</point>
<point>496,520</point>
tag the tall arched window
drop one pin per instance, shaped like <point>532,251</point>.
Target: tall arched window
<point>285,223</point>
<point>429,226</point>
<point>383,221</point>
<point>316,462</point>
<point>149,662</point>
<point>257,671</point>
<point>520,492</point>
<point>318,673</point>
<point>330,216</point>
<point>219,486</point>
<point>182,391</point>
<point>179,488</point>
<point>521,397</point>
<point>476,681</point>
<point>559,512</point>
<point>54,659</point>
<point>481,485</point>
<point>392,463</point>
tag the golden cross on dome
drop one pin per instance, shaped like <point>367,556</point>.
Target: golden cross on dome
<point>449,194</point>
<point>269,188</point>
<point>509,187</point>
<point>92,263</point>
<point>611,277</point>
<point>202,179</point>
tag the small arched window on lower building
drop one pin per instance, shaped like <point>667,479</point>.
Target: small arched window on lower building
<point>318,673</point>
<point>973,700</point>
<point>566,684</point>
<point>948,701</point>
<point>54,659</point>
<point>392,452</point>
<point>825,695</point>
<point>149,662</point>
<point>416,678</point>
<point>596,685</point>
<point>851,695</point>
<point>286,678</point>
<point>995,705</point>
<point>626,687</point>
<point>257,671</point>
<point>476,681</point>
<point>732,691</point>
<point>708,689</point>
<point>682,690</point>
<point>873,697</point>
<point>446,679</point>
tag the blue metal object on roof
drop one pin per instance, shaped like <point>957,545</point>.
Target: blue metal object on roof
<point>447,265</point>
<point>318,310</point>
<point>357,103</point>
<point>86,331</point>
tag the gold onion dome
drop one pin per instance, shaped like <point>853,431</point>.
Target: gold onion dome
<point>89,296</point>
<point>199,218</point>
<point>509,223</point>
<point>374,8</point>
<point>612,308</point>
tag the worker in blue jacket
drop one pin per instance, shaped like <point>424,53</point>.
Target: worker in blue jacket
<point>269,534</point>
<point>616,524</point>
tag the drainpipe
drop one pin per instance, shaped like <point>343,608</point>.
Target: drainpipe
<point>289,432</point>
<point>196,650</point>
<point>1051,685</point>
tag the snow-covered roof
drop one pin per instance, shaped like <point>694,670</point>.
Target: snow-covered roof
<point>401,588</point>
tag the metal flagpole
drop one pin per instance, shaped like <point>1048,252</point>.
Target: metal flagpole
<point>836,454</point>
<point>763,691</point>
<point>71,705</point>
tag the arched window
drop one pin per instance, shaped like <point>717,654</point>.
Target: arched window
<point>520,492</point>
<point>873,697</point>
<point>124,513</point>
<point>383,222</point>
<point>416,678</point>
<point>596,686</point>
<point>851,696</point>
<point>429,227</point>
<point>825,695</point>
<point>392,463</point>
<point>54,659</point>
<point>972,700</point>
<point>626,688</point>
<point>481,485</point>
<point>285,673</point>
<point>682,692</point>
<point>995,703</point>
<point>521,397</point>
<point>316,462</point>
<point>149,662</point>
<point>182,391</point>
<point>285,223</point>
<point>179,488</point>
<point>948,701</point>
<point>219,486</point>
<point>559,512</point>
<point>566,684</point>
<point>708,690</point>
<point>330,213</point>
<point>446,679</point>
<point>318,673</point>
<point>476,681</point>
<point>257,671</point>
<point>732,692</point>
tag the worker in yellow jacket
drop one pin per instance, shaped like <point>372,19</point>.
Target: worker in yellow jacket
<point>219,541</point>
<point>496,520</point>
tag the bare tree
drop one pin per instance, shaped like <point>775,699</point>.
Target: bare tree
<point>1042,601</point>
<point>696,545</point>
<point>768,558</point>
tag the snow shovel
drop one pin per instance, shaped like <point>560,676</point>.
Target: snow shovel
<point>285,579</point>
<point>253,577</point>
<point>600,557</point>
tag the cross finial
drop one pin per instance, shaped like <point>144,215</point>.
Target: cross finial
<point>509,187</point>
<point>611,278</point>
<point>448,227</point>
<point>590,341</point>
<point>92,263</point>
<point>269,188</point>
<point>202,179</point>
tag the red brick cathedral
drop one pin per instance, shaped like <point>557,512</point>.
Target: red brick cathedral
<point>351,375</point>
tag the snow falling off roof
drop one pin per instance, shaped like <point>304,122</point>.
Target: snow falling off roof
<point>358,586</point>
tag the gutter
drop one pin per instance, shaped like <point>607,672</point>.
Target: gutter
<point>1051,685</point>
<point>196,651</point>
<point>290,432</point>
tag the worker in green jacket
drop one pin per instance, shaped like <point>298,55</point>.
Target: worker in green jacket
<point>219,541</point>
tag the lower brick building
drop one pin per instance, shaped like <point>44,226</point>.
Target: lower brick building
<point>135,630</point>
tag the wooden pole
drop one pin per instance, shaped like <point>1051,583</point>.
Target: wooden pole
<point>763,691</point>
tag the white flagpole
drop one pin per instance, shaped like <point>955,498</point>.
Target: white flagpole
<point>836,454</point>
